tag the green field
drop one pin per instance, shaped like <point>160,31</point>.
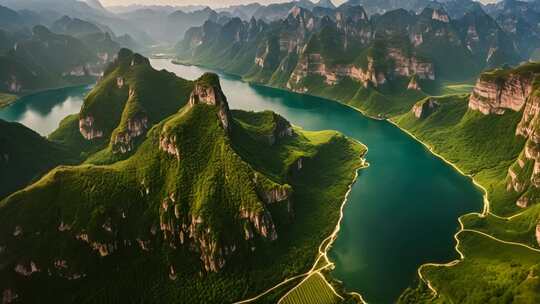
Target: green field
<point>313,290</point>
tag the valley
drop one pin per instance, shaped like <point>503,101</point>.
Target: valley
<point>296,152</point>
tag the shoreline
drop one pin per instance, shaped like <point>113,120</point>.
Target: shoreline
<point>486,209</point>
<point>486,203</point>
<point>41,91</point>
<point>323,249</point>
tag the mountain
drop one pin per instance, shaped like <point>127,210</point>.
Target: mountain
<point>520,20</point>
<point>382,6</point>
<point>168,26</point>
<point>325,4</point>
<point>25,156</point>
<point>74,27</point>
<point>490,134</point>
<point>46,12</point>
<point>210,199</point>
<point>244,12</point>
<point>130,97</point>
<point>95,4</point>
<point>381,65</point>
<point>47,59</point>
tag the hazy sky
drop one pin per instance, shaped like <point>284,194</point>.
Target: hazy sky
<point>212,3</point>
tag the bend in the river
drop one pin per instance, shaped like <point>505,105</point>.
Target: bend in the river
<point>402,212</point>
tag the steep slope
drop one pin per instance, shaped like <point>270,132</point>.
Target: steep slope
<point>490,134</point>
<point>129,99</point>
<point>25,156</point>
<point>47,60</point>
<point>381,65</point>
<point>214,206</point>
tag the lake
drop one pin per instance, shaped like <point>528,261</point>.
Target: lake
<point>402,211</point>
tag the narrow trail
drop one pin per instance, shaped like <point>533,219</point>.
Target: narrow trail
<point>322,261</point>
<point>486,211</point>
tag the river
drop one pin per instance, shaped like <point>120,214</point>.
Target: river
<point>401,213</point>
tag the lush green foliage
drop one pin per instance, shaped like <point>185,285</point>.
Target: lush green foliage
<point>25,156</point>
<point>492,272</point>
<point>213,179</point>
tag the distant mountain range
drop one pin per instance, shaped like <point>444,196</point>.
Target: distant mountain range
<point>398,51</point>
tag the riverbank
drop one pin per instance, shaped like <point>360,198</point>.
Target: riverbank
<point>7,99</point>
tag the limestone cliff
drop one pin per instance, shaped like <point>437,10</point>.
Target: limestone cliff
<point>499,91</point>
<point>424,108</point>
<point>208,91</point>
<point>495,95</point>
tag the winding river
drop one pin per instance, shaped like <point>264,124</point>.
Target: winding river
<point>401,213</point>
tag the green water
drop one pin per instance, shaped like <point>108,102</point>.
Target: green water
<point>401,213</point>
<point>43,111</point>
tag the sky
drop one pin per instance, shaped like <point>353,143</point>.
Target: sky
<point>212,3</point>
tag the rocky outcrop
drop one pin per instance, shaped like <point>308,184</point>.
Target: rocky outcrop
<point>167,143</point>
<point>210,93</point>
<point>282,129</point>
<point>440,15</point>
<point>424,108</point>
<point>88,129</point>
<point>313,64</point>
<point>9,296</point>
<point>123,142</point>
<point>26,270</point>
<point>261,221</point>
<point>408,66</point>
<point>537,233</point>
<point>413,84</point>
<point>495,95</point>
<point>13,85</point>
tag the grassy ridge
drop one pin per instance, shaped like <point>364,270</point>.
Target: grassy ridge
<point>210,180</point>
<point>509,275</point>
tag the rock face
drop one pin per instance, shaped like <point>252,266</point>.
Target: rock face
<point>408,66</point>
<point>537,234</point>
<point>413,84</point>
<point>282,129</point>
<point>494,96</point>
<point>210,93</point>
<point>312,64</point>
<point>512,90</point>
<point>88,129</point>
<point>424,108</point>
<point>123,142</point>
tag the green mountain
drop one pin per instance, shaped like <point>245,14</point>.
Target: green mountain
<point>490,134</point>
<point>211,206</point>
<point>47,59</point>
<point>25,156</point>
<point>130,98</point>
<point>381,65</point>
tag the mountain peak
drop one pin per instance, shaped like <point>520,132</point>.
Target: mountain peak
<point>208,91</point>
<point>326,4</point>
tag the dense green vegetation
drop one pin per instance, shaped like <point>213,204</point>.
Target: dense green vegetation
<point>492,272</point>
<point>503,250</point>
<point>215,177</point>
<point>25,156</point>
